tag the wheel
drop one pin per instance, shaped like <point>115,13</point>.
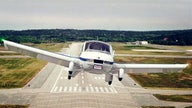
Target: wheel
<point>69,77</point>
<point>120,79</point>
<point>110,82</point>
<point>70,72</point>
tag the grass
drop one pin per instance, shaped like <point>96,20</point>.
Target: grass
<point>175,98</point>
<point>8,54</point>
<point>165,80</point>
<point>14,106</point>
<point>17,72</point>
<point>122,59</point>
<point>122,48</point>
<point>171,80</point>
<point>157,107</point>
<point>54,47</point>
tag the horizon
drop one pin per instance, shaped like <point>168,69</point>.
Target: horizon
<point>94,29</point>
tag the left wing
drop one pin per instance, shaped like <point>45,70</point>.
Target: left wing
<point>150,68</point>
<point>60,59</point>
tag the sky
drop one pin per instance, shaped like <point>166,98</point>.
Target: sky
<point>138,15</point>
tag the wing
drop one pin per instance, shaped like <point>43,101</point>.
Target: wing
<point>60,59</point>
<point>150,68</point>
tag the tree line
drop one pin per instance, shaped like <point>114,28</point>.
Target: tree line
<point>174,37</point>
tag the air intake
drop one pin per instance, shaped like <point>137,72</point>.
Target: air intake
<point>98,61</point>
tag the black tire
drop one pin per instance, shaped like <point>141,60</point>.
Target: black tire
<point>69,77</point>
<point>120,79</point>
<point>110,82</point>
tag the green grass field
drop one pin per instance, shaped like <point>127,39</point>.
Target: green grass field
<point>53,47</point>
<point>175,98</point>
<point>16,72</point>
<point>122,48</point>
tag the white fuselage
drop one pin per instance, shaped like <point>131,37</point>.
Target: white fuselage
<point>96,57</point>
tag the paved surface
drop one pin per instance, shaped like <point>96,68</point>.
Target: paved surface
<point>15,56</point>
<point>51,89</point>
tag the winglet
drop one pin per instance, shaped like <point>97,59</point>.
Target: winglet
<point>1,39</point>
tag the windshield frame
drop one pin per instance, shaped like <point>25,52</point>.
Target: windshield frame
<point>97,46</point>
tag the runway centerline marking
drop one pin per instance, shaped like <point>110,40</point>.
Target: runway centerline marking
<point>57,79</point>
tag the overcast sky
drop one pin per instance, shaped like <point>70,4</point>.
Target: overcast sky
<point>96,14</point>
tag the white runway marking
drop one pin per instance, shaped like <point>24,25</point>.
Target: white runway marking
<point>57,79</point>
<point>101,89</point>
<point>92,90</point>
<point>65,89</point>
<point>88,89</point>
<point>70,89</point>
<point>60,89</point>
<point>96,88</point>
<point>75,89</point>
<point>106,89</point>
<point>55,89</point>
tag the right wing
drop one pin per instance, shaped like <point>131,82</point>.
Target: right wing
<point>150,68</point>
<point>60,59</point>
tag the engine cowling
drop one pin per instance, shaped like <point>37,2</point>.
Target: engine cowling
<point>120,74</point>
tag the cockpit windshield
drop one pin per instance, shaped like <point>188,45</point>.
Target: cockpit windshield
<point>98,46</point>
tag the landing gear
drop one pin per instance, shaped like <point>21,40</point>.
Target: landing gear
<point>71,66</point>
<point>120,74</point>
<point>109,78</point>
<point>70,74</point>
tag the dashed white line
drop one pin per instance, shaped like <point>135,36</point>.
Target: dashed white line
<point>82,77</point>
<point>96,88</point>
<point>83,82</point>
<point>114,89</point>
<point>75,89</point>
<point>106,90</point>
<point>101,89</point>
<point>60,89</point>
<point>92,90</point>
<point>70,89</point>
<point>65,89</point>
